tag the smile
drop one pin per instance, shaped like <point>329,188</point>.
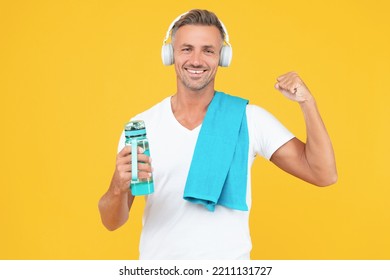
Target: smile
<point>195,71</point>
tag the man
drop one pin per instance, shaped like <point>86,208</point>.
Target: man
<point>175,228</point>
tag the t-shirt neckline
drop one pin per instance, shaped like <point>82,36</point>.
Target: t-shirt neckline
<point>176,122</point>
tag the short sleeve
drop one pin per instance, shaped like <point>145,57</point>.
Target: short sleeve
<point>266,133</point>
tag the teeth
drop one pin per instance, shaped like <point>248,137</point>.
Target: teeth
<point>195,71</point>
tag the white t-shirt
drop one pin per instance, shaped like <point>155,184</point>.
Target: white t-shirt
<point>174,228</point>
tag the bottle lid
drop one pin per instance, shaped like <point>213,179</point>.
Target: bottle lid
<point>135,128</point>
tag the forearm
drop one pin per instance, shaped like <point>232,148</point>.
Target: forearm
<point>114,207</point>
<point>318,150</point>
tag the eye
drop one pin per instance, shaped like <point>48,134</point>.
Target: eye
<point>185,50</point>
<point>209,51</point>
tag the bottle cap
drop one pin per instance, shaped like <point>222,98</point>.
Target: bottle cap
<point>135,128</point>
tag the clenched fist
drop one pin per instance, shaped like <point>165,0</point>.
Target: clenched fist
<point>292,86</point>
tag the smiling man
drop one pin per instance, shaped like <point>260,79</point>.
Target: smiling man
<point>203,143</point>
<point>196,55</point>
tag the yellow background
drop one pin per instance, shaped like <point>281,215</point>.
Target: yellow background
<point>73,72</point>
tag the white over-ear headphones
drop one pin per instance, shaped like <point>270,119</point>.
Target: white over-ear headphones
<point>225,56</point>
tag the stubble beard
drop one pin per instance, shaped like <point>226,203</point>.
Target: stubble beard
<point>195,85</point>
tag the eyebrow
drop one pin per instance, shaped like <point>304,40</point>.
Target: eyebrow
<point>186,45</point>
<point>209,47</point>
<point>205,46</point>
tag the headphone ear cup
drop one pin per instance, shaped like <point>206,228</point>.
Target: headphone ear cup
<point>225,57</point>
<point>167,54</point>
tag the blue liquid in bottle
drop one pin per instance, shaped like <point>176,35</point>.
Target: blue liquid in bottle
<point>135,134</point>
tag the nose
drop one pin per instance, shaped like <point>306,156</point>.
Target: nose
<point>195,58</point>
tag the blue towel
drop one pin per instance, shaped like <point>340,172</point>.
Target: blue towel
<point>218,171</point>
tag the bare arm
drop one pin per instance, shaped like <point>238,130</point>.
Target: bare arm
<point>115,204</point>
<point>314,160</point>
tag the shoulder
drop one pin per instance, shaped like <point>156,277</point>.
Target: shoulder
<point>266,131</point>
<point>152,118</point>
<point>257,113</point>
<point>154,111</point>
<point>262,120</point>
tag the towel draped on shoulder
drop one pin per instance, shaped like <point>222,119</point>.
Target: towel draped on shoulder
<point>219,166</point>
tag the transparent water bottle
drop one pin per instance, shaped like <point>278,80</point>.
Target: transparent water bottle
<point>135,134</point>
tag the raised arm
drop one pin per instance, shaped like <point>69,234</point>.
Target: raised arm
<point>314,160</point>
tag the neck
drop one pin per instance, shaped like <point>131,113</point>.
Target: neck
<point>190,107</point>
